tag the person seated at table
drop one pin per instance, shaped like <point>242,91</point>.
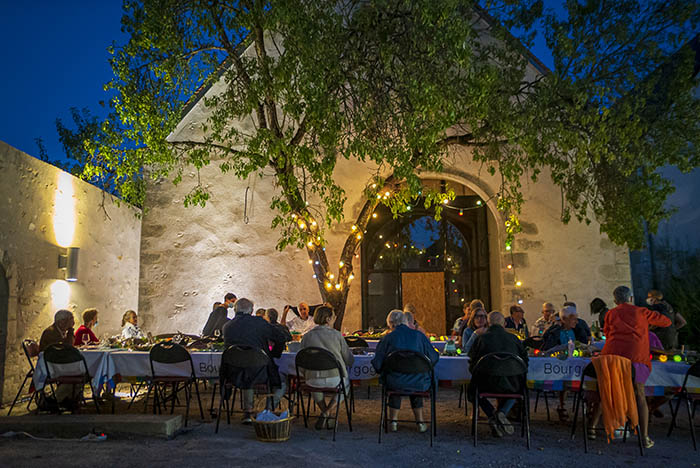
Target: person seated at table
<point>271,318</point>
<point>473,306</point>
<point>599,308</point>
<point>324,336</point>
<point>546,320</point>
<point>667,335</point>
<point>477,327</point>
<point>60,331</point>
<point>516,321</point>
<point>301,323</point>
<point>496,340</point>
<point>84,334</point>
<point>458,323</point>
<point>581,329</point>
<point>260,313</point>
<point>627,334</point>
<point>402,337</point>
<point>216,321</point>
<point>411,322</point>
<point>130,326</point>
<point>248,330</point>
<point>559,335</point>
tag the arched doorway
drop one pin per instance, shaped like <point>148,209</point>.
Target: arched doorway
<point>4,310</point>
<point>437,265</point>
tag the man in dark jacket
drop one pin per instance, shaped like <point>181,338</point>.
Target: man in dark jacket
<point>252,331</point>
<point>404,338</point>
<point>496,340</point>
<point>217,319</point>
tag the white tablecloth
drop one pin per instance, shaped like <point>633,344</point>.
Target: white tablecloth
<point>109,366</point>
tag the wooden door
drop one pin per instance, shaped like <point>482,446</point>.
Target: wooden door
<point>426,291</point>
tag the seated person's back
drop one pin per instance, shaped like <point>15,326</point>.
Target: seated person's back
<point>60,331</point>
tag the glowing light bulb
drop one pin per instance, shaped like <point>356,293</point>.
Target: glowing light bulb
<point>507,246</point>
<point>316,262</point>
<point>359,236</point>
<point>311,262</point>
<point>313,223</point>
<point>341,263</point>
<point>310,243</point>
<point>408,208</point>
<point>386,194</point>
<point>331,276</point>
<point>328,285</point>
<point>351,277</point>
<point>302,225</point>
<point>509,266</point>
<point>379,196</point>
<point>381,236</point>
<point>337,285</point>
<point>294,216</point>
<point>461,213</point>
<point>374,215</point>
<point>520,301</point>
<point>374,185</point>
<point>518,283</point>
<point>663,358</point>
<point>478,203</point>
<point>313,276</point>
<point>354,228</point>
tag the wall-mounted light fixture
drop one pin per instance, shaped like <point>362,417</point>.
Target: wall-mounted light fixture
<point>69,262</point>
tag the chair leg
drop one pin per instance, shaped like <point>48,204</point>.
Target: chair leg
<point>537,399</point>
<point>213,395</point>
<point>300,398</point>
<point>381,415</point>
<point>624,432</point>
<point>218,413</point>
<point>337,407</point>
<point>584,421</point>
<point>148,394</point>
<point>433,428</point>
<point>228,412</point>
<point>461,392</point>
<point>188,396</point>
<point>475,414</point>
<point>691,422</point>
<point>546,405</point>
<point>347,410</point>
<point>94,398</point>
<point>199,399</point>
<point>674,413</point>
<point>577,404</point>
<point>19,392</point>
<point>172,404</point>
<point>639,438</point>
<point>526,404</point>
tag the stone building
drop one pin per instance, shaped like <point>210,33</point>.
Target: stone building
<point>192,256</point>
<point>43,211</point>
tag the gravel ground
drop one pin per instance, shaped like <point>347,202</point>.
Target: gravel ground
<point>235,445</point>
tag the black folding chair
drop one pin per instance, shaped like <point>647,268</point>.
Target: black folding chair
<point>502,365</point>
<point>31,351</point>
<point>683,394</point>
<point>241,367</point>
<point>407,362</point>
<point>62,355</point>
<point>580,400</point>
<point>319,359</point>
<point>171,355</point>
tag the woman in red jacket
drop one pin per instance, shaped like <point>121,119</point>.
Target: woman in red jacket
<point>84,334</point>
<point>627,334</point>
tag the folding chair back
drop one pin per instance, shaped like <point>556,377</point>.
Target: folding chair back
<point>407,362</point>
<point>500,365</point>
<point>317,359</point>
<point>61,354</point>
<point>244,357</point>
<point>31,351</point>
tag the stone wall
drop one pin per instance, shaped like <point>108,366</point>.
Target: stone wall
<point>43,210</point>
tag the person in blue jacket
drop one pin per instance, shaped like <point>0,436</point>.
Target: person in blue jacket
<point>404,338</point>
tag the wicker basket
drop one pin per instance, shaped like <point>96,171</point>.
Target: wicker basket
<point>273,431</point>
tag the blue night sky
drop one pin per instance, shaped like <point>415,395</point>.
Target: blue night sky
<point>54,57</point>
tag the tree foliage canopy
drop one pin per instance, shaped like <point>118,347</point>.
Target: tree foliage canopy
<point>383,81</point>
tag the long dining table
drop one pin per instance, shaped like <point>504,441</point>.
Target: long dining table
<point>108,367</point>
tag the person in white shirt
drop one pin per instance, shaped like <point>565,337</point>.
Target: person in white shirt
<point>301,323</point>
<point>130,323</point>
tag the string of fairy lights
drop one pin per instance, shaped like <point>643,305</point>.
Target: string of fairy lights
<point>329,279</point>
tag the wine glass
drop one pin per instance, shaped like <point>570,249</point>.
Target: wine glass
<point>86,339</point>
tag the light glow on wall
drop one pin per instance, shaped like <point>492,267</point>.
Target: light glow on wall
<point>60,294</point>
<point>64,210</point>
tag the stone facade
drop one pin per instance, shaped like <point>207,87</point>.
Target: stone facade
<point>192,256</point>
<point>44,210</point>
